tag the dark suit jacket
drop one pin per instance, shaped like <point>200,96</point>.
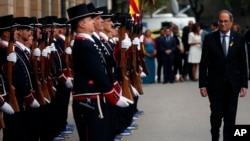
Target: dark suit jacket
<point>215,68</point>
<point>162,46</point>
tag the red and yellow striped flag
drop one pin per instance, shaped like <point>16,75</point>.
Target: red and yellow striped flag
<point>134,7</point>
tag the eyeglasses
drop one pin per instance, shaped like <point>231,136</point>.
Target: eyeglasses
<point>223,21</point>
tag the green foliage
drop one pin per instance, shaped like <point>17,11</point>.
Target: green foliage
<point>148,8</point>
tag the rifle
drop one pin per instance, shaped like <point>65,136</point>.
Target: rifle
<point>126,89</point>
<point>67,56</point>
<point>135,72</point>
<point>141,60</point>
<point>43,59</point>
<point>11,95</point>
<point>2,125</point>
<point>40,90</point>
<point>48,60</point>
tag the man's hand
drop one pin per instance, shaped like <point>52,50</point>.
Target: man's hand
<point>243,92</point>
<point>168,51</point>
<point>203,92</point>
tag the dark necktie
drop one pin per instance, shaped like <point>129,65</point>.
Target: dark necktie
<point>224,45</point>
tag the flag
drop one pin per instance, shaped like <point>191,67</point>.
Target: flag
<point>134,7</point>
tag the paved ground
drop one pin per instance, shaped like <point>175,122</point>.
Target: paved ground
<point>175,112</point>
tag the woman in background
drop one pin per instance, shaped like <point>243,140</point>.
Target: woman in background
<point>194,40</point>
<point>150,53</point>
<point>179,55</point>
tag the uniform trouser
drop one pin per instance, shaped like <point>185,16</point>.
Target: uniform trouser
<point>89,126</point>
<point>47,124</point>
<point>223,105</point>
<point>32,120</point>
<point>61,107</point>
<point>13,130</point>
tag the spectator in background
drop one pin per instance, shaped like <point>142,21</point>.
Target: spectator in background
<point>214,26</point>
<point>194,57</point>
<point>186,66</point>
<point>160,53</point>
<point>179,55</point>
<point>150,53</point>
<point>236,28</point>
<point>169,46</point>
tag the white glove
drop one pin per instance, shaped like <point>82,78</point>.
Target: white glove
<point>12,57</point>
<point>135,92</point>
<point>37,52</point>
<point>141,38</point>
<point>68,50</point>
<point>52,47</point>
<point>123,102</point>
<point>72,43</point>
<point>136,41</point>
<point>7,108</point>
<point>126,43</point>
<point>143,74</point>
<point>115,39</point>
<point>69,83</point>
<point>34,104</point>
<point>45,52</point>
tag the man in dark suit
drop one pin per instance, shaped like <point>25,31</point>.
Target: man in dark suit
<point>160,53</point>
<point>247,38</point>
<point>223,74</point>
<point>165,55</point>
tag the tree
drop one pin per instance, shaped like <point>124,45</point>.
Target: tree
<point>197,8</point>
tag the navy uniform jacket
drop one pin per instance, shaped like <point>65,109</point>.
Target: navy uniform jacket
<point>107,52</point>
<point>22,73</point>
<point>3,55</point>
<point>90,75</point>
<point>58,64</point>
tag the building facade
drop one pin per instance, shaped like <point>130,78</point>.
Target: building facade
<point>41,8</point>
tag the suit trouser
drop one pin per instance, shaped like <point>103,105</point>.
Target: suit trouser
<point>168,68</point>
<point>159,68</point>
<point>223,105</point>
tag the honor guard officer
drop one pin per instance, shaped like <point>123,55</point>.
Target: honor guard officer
<point>64,85</point>
<point>16,124</point>
<point>55,77</point>
<point>5,26</point>
<point>47,122</point>
<point>91,82</point>
<point>110,64</point>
